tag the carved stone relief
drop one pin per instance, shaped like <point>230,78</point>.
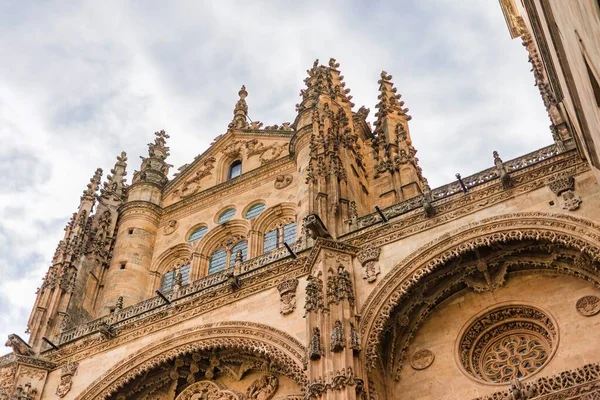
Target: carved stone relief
<point>192,185</point>
<point>422,359</point>
<point>263,388</point>
<point>171,227</point>
<point>208,390</point>
<point>283,181</point>
<point>565,190</point>
<point>287,293</point>
<point>369,257</point>
<point>66,378</point>
<point>588,306</point>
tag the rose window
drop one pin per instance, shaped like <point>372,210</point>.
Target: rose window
<point>506,343</point>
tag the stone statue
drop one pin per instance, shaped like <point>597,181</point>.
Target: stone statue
<point>19,346</point>
<point>338,340</point>
<point>263,388</point>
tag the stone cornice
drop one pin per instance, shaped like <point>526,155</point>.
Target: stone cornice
<point>9,359</point>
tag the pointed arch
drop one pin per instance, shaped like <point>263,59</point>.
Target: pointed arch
<point>276,346</point>
<point>568,231</point>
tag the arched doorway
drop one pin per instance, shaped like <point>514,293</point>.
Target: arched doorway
<point>228,360</point>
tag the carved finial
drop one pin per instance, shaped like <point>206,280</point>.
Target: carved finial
<point>505,178</point>
<point>119,304</point>
<point>240,112</point>
<point>88,194</point>
<point>114,186</point>
<point>159,148</point>
<point>333,64</point>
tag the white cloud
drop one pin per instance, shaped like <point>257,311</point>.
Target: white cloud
<point>78,84</point>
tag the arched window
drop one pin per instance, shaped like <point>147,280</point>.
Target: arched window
<point>240,246</point>
<point>218,260</point>
<point>198,234</point>
<point>168,279</point>
<point>255,210</point>
<point>235,169</point>
<point>226,215</point>
<point>221,258</point>
<point>276,237</point>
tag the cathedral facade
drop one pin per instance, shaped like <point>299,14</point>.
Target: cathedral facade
<point>311,260</point>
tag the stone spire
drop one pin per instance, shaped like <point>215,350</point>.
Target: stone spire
<point>389,104</point>
<point>154,169</point>
<point>92,187</point>
<point>324,81</point>
<point>240,112</point>
<point>392,145</point>
<point>114,186</point>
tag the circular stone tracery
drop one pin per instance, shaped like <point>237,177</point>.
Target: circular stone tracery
<point>512,341</point>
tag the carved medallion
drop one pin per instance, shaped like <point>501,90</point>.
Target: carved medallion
<point>287,293</point>
<point>588,306</point>
<point>422,359</point>
<point>283,181</point>
<point>171,227</point>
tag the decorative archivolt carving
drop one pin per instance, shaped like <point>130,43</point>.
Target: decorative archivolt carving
<point>566,230</point>
<point>283,351</point>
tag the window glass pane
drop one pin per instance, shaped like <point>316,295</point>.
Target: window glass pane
<point>271,240</point>
<point>185,274</point>
<point>167,281</point>
<point>255,210</point>
<point>198,234</point>
<point>289,233</point>
<point>235,169</point>
<point>217,261</point>
<point>243,246</point>
<point>226,215</point>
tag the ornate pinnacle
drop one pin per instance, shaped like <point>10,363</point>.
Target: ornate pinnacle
<point>88,194</point>
<point>115,181</point>
<point>159,148</point>
<point>389,101</point>
<point>240,112</point>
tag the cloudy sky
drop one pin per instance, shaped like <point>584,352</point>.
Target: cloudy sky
<point>81,81</point>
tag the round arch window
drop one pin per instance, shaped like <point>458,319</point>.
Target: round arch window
<point>226,215</point>
<point>255,210</point>
<point>197,234</point>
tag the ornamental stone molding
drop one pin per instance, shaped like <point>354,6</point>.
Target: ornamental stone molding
<point>576,384</point>
<point>281,349</point>
<point>566,230</point>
